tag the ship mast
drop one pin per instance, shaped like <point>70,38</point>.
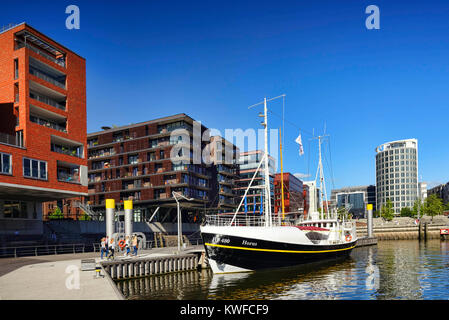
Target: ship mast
<point>267,198</point>
<point>320,171</point>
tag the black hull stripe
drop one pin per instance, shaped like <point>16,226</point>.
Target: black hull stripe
<point>274,250</point>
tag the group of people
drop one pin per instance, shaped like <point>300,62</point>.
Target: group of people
<point>108,246</point>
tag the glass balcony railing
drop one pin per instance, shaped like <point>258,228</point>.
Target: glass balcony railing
<point>47,78</point>
<point>47,123</point>
<point>47,100</point>
<point>71,151</point>
<point>68,176</point>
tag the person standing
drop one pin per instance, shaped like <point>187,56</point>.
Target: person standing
<point>107,246</point>
<point>127,246</point>
<point>111,248</point>
<point>135,244</point>
<point>103,248</point>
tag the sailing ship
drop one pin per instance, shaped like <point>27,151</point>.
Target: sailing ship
<point>242,243</point>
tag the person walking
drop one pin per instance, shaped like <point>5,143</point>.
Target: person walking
<point>127,246</point>
<point>111,249</point>
<point>135,245</point>
<point>103,248</point>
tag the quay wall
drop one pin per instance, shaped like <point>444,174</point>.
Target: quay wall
<point>403,228</point>
<point>136,268</point>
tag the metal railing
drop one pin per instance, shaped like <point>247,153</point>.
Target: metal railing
<point>40,250</point>
<point>25,251</point>
<point>10,139</point>
<point>246,220</point>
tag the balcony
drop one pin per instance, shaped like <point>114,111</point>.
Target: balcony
<point>45,74</point>
<point>13,140</point>
<point>67,147</point>
<point>47,100</point>
<point>68,174</point>
<point>25,39</point>
<point>48,123</point>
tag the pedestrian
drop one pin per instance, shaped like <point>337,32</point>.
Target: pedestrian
<point>135,245</point>
<point>111,249</point>
<point>127,246</point>
<point>103,248</point>
<point>107,245</point>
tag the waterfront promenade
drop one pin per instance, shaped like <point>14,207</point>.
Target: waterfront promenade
<point>59,277</point>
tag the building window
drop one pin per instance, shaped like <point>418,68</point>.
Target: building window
<point>16,69</point>
<point>5,163</point>
<point>34,169</point>
<point>15,209</point>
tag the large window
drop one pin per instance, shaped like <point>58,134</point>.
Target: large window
<point>15,209</point>
<point>34,169</point>
<point>5,163</point>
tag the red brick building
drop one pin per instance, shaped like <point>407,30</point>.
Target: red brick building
<point>42,126</point>
<point>293,193</point>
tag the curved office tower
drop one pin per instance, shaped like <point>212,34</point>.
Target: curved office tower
<point>397,173</point>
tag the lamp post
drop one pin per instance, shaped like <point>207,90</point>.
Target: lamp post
<point>179,217</point>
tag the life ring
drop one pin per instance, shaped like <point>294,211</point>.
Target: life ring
<point>121,244</point>
<point>348,238</point>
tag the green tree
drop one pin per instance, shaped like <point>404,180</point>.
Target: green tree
<point>406,212</point>
<point>387,211</point>
<point>56,214</point>
<point>433,206</point>
<point>84,217</point>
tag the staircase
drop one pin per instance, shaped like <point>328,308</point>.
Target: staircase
<point>85,208</point>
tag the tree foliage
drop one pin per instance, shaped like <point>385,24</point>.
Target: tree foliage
<point>387,211</point>
<point>406,212</point>
<point>56,214</point>
<point>433,205</point>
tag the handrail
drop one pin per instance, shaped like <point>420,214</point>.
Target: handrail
<point>55,249</point>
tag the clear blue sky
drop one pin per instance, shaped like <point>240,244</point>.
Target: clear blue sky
<point>212,59</point>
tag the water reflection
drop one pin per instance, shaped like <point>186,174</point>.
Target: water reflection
<point>392,270</point>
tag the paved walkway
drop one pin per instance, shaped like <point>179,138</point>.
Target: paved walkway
<point>59,277</point>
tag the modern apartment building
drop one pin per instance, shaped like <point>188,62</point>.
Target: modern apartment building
<point>42,127</point>
<point>248,163</point>
<point>397,174</point>
<point>442,191</point>
<point>146,163</point>
<point>293,193</point>
<point>355,198</point>
<point>224,174</point>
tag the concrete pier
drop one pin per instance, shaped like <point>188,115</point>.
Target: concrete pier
<point>148,266</point>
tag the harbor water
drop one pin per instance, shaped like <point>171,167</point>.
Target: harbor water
<point>392,270</point>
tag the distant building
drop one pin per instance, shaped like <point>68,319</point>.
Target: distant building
<point>422,188</point>
<point>249,161</point>
<point>146,162</point>
<point>313,199</point>
<point>397,174</point>
<point>293,193</point>
<point>442,191</point>
<point>356,198</point>
<point>224,174</point>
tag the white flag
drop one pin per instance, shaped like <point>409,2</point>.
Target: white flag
<point>299,141</point>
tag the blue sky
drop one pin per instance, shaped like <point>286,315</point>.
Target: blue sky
<point>212,59</point>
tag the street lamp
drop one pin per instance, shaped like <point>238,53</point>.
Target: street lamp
<point>179,216</point>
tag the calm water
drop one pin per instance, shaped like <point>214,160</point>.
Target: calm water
<point>390,270</point>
